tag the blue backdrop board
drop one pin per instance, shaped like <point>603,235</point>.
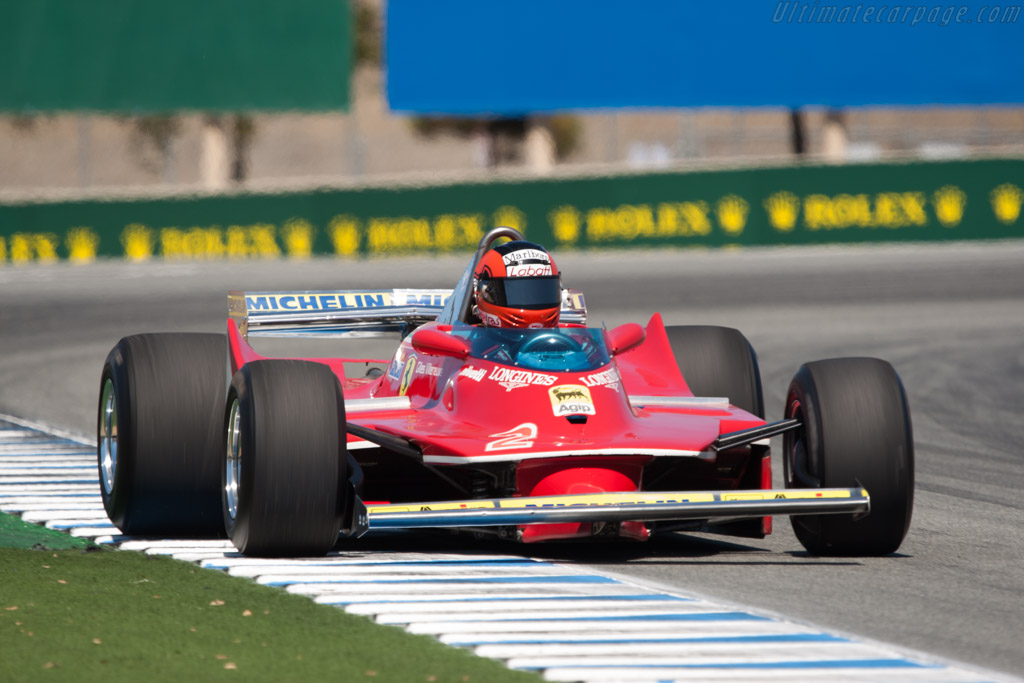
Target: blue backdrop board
<point>515,56</point>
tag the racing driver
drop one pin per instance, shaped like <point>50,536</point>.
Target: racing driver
<point>518,285</point>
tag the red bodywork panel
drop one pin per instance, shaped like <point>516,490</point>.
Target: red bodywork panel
<point>468,412</point>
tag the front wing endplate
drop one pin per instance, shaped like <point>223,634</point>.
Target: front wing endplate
<point>639,506</point>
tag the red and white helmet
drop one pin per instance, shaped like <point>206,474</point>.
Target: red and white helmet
<point>518,285</point>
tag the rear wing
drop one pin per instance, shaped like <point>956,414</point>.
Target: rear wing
<point>354,312</point>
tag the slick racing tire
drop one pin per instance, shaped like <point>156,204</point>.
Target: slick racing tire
<point>856,432</point>
<point>718,361</point>
<point>159,434</point>
<point>285,462</point>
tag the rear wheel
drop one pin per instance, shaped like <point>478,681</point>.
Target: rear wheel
<point>284,470</point>
<point>856,431</point>
<point>718,361</point>
<point>159,434</point>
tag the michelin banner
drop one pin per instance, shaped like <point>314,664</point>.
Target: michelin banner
<point>795,204</point>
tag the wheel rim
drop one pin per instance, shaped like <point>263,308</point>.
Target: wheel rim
<point>790,442</point>
<point>108,438</point>
<point>233,462</point>
<point>800,470</point>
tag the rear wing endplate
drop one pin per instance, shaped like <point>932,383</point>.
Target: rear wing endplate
<point>353,312</point>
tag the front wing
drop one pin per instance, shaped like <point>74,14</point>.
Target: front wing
<point>613,507</point>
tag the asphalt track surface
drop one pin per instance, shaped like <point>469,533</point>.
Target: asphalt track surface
<point>950,318</point>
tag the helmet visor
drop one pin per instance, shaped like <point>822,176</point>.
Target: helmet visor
<point>522,292</point>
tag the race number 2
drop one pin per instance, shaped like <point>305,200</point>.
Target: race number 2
<point>517,437</point>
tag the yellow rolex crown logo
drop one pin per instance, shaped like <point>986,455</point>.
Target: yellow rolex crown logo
<point>949,202</point>
<point>1006,202</point>
<point>344,232</point>
<point>565,222</point>
<point>783,208</point>
<point>137,241</point>
<point>732,213</point>
<point>510,217</point>
<point>82,243</point>
<point>298,238</point>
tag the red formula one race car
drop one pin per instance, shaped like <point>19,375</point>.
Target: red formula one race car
<point>529,433</point>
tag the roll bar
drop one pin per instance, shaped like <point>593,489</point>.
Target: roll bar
<point>485,244</point>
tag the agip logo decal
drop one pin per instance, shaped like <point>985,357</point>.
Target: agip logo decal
<point>571,399</point>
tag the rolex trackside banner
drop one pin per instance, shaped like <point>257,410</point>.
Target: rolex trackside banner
<point>955,200</point>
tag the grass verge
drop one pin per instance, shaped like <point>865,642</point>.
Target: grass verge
<point>96,615</point>
<point>14,533</point>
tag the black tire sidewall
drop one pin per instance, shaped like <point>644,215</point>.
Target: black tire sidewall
<point>237,528</point>
<point>856,431</point>
<point>718,361</point>
<point>167,391</point>
<point>120,499</point>
<point>301,451</point>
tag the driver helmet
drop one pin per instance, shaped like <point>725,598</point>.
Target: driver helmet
<point>518,285</point>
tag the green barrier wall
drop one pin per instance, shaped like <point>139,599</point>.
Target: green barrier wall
<point>133,56</point>
<point>765,206</point>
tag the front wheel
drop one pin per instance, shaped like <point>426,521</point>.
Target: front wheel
<point>285,460</point>
<point>855,431</point>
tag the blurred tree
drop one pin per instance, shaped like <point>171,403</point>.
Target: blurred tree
<point>153,135</point>
<point>504,137</point>
<point>23,123</point>
<point>368,32</point>
<point>797,132</point>
<point>567,132</point>
<point>243,129</point>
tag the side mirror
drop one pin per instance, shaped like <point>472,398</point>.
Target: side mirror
<point>432,342</point>
<point>625,337</point>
